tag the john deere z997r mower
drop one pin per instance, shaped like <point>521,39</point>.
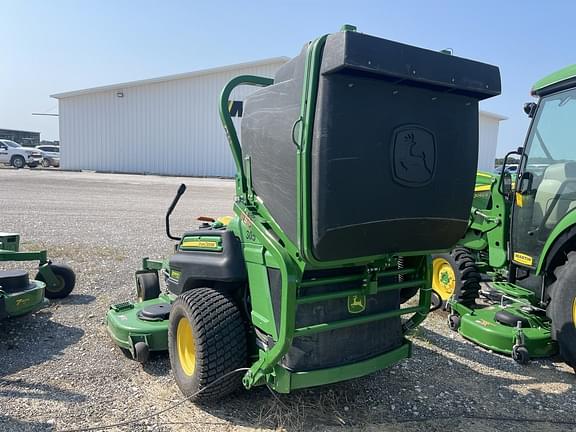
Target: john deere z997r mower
<point>522,234</point>
<point>341,157</point>
<point>18,294</point>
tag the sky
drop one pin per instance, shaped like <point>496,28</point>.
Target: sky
<point>47,47</point>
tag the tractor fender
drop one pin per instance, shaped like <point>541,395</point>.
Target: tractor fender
<point>563,236</point>
<point>192,268</point>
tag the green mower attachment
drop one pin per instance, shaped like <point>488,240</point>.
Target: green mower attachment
<point>335,217</point>
<point>522,237</point>
<point>19,295</point>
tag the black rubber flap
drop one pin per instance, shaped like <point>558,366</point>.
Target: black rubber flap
<point>14,281</point>
<point>157,312</point>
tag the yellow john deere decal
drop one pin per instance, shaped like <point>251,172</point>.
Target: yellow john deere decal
<point>200,244</point>
<point>519,199</point>
<point>175,274</point>
<point>356,303</point>
<point>482,188</point>
<point>522,258</point>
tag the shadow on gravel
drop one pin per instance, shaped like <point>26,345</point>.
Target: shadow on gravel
<point>427,392</point>
<point>10,424</point>
<point>33,339</point>
<point>540,370</point>
<point>77,299</point>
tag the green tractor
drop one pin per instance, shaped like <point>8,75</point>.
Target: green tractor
<point>522,236</point>
<point>335,217</point>
<point>18,294</point>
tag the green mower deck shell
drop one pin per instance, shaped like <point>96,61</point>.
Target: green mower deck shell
<point>480,326</point>
<point>23,302</point>
<point>126,329</point>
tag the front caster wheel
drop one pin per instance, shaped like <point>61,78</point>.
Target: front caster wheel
<point>65,277</point>
<point>141,352</point>
<point>454,322</point>
<point>147,286</point>
<point>520,354</point>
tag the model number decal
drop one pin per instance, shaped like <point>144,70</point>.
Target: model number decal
<point>522,258</point>
<point>199,243</point>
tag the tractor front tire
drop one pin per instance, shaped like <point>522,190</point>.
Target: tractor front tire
<point>206,340</point>
<point>455,275</point>
<point>562,309</point>
<point>66,281</point>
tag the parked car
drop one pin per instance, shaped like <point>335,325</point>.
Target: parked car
<point>51,155</point>
<point>12,153</point>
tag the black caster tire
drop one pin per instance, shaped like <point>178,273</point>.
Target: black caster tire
<point>147,286</point>
<point>66,281</point>
<point>454,322</point>
<point>206,340</point>
<point>141,352</point>
<point>436,302</point>
<point>520,354</point>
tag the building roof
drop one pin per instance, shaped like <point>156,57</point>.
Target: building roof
<point>170,77</point>
<point>493,115</point>
<point>17,130</point>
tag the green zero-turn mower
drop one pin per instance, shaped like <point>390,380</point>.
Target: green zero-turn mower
<point>522,235</point>
<point>18,294</point>
<point>335,215</point>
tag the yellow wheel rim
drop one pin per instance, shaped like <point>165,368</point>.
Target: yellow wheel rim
<point>443,278</point>
<point>186,346</point>
<point>574,311</point>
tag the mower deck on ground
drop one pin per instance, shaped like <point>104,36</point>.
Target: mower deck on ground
<point>18,294</point>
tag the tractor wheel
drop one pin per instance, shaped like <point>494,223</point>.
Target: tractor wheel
<point>562,309</point>
<point>18,162</point>
<point>206,340</point>
<point>455,274</point>
<point>66,281</point>
<point>147,286</point>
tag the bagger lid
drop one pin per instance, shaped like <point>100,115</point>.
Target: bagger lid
<point>392,152</point>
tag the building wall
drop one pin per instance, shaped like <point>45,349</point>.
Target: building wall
<point>488,141</point>
<point>171,127</point>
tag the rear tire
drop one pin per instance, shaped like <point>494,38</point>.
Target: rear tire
<point>46,163</point>
<point>206,340</point>
<point>66,281</point>
<point>562,309</point>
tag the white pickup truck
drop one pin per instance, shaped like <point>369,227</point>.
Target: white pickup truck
<point>12,153</point>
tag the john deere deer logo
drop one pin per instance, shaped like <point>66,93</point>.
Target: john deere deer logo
<point>414,158</point>
<point>356,303</point>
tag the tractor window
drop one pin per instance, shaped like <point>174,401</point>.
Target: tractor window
<point>547,184</point>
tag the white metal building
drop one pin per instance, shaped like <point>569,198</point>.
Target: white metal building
<point>170,125</point>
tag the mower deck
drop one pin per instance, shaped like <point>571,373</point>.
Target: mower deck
<point>510,324</point>
<point>140,327</point>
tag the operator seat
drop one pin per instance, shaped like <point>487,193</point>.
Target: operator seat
<point>557,179</point>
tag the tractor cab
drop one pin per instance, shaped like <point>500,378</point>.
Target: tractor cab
<point>546,189</point>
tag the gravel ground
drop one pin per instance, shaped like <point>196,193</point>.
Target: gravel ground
<point>60,371</point>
